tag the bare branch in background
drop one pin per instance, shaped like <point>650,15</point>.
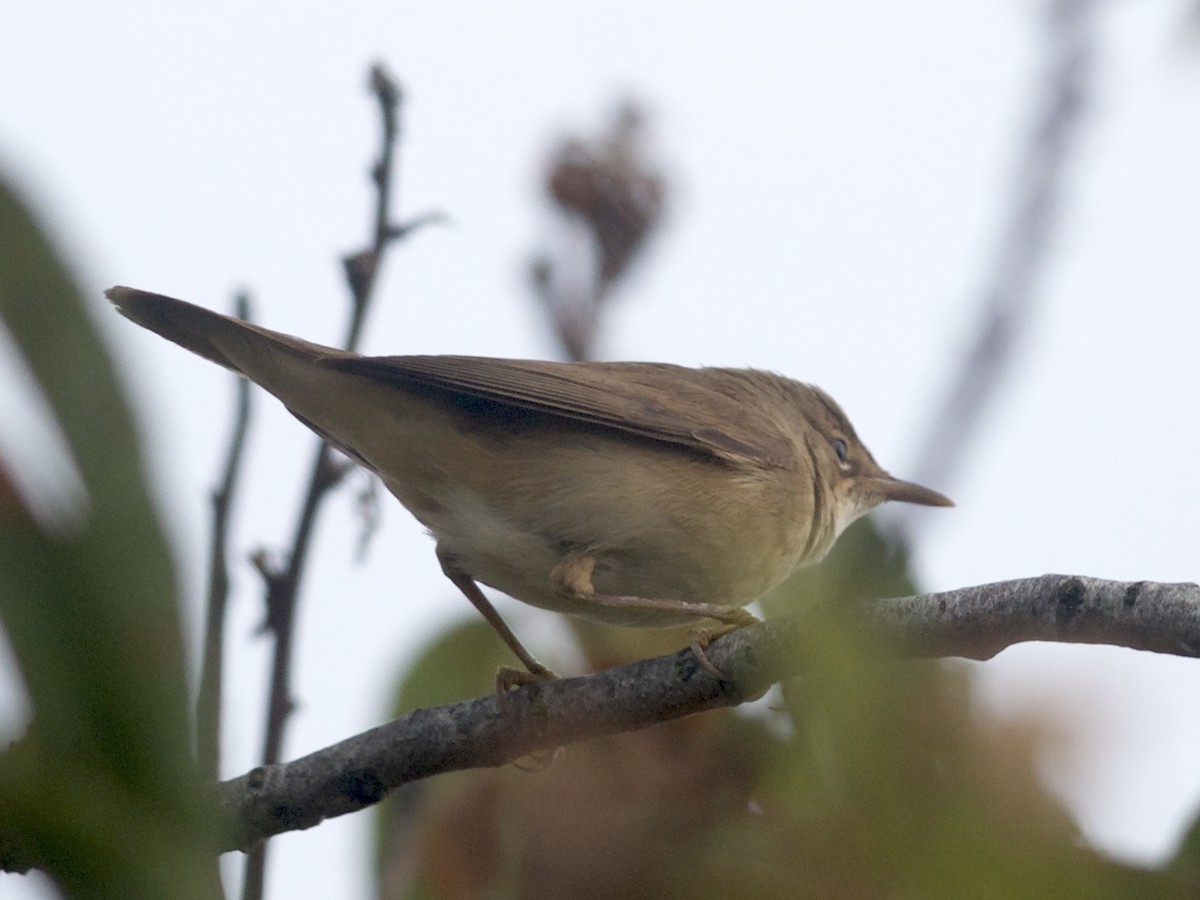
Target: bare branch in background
<point>208,701</point>
<point>1024,250</point>
<point>283,584</point>
<point>611,198</point>
<point>1191,22</point>
<point>976,622</point>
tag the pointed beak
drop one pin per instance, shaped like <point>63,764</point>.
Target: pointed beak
<point>905,491</point>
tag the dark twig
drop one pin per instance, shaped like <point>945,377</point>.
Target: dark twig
<point>416,223</point>
<point>368,504</point>
<point>1024,251</point>
<point>361,271</point>
<point>975,622</point>
<point>208,701</point>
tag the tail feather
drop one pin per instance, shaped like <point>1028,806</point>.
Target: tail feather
<point>343,408</point>
<point>218,338</point>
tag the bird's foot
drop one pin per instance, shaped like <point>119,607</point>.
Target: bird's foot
<point>700,639</point>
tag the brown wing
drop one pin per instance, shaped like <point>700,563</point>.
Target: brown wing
<point>703,410</point>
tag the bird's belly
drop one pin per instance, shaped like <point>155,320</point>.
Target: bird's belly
<point>729,558</point>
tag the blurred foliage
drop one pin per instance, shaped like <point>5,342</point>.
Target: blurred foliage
<point>1186,864</point>
<point>100,791</point>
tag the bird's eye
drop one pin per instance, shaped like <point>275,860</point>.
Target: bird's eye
<point>840,448</point>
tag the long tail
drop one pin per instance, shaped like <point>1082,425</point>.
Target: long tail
<point>226,341</point>
<point>345,408</point>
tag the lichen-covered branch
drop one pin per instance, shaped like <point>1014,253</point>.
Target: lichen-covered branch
<point>975,622</point>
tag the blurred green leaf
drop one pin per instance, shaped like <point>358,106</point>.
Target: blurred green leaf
<point>101,791</point>
<point>1187,858</point>
<point>458,663</point>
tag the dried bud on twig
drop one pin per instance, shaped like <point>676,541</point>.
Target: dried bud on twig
<point>610,185</point>
<point>609,191</point>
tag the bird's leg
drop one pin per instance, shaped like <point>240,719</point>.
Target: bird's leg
<point>574,574</point>
<point>506,678</point>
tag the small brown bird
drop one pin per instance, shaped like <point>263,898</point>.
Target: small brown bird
<point>631,493</point>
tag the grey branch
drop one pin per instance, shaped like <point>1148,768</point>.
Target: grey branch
<point>975,622</point>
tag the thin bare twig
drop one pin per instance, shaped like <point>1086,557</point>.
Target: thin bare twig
<point>208,700</point>
<point>361,271</point>
<point>974,622</point>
